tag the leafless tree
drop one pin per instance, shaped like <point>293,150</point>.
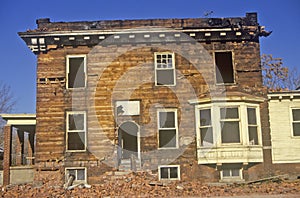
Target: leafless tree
<point>7,103</point>
<point>276,76</point>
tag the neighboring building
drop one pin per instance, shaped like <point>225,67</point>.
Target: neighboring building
<point>181,97</point>
<point>284,109</point>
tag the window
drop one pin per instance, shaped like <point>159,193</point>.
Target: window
<point>76,71</point>
<point>252,126</point>
<point>170,172</point>
<point>206,133</point>
<point>296,122</point>
<point>231,172</point>
<point>78,173</point>
<point>224,67</point>
<point>167,129</point>
<point>76,131</point>
<point>230,121</point>
<point>164,69</point>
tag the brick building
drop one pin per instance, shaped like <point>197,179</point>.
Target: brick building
<point>182,98</point>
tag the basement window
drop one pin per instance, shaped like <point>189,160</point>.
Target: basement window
<point>164,69</point>
<point>79,175</point>
<point>206,132</point>
<point>76,131</point>
<point>76,71</point>
<point>296,122</point>
<point>230,121</point>
<point>252,126</point>
<point>169,172</point>
<point>224,67</point>
<point>167,129</point>
<point>231,172</point>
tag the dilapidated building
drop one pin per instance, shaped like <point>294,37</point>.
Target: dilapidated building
<point>182,98</point>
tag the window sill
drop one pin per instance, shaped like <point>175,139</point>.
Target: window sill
<point>231,180</point>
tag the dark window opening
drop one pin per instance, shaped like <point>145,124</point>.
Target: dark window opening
<point>169,173</point>
<point>76,72</point>
<point>224,67</point>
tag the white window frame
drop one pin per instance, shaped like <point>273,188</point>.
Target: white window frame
<point>75,180</point>
<point>231,178</point>
<point>258,126</point>
<point>292,121</point>
<point>159,129</point>
<point>205,126</point>
<point>157,69</point>
<point>231,120</point>
<point>216,123</point>
<point>68,70</point>
<point>233,67</point>
<point>76,131</point>
<point>169,166</point>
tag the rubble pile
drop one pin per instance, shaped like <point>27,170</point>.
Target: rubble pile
<point>145,185</point>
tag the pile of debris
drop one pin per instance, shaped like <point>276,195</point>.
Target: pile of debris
<point>142,185</point>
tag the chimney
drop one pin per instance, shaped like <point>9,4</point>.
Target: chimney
<point>42,22</point>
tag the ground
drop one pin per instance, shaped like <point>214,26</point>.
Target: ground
<point>139,185</point>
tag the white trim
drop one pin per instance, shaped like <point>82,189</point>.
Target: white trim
<point>216,123</point>
<point>169,166</point>
<point>77,168</point>
<point>76,131</point>
<point>162,69</point>
<point>84,69</point>
<point>176,126</point>
<point>292,122</point>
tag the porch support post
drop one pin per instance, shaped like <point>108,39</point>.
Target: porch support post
<point>7,154</point>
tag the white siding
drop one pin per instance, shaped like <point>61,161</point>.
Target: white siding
<point>285,147</point>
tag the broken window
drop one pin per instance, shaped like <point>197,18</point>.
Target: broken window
<point>296,122</point>
<point>231,171</point>
<point>252,126</point>
<point>167,129</point>
<point>224,67</point>
<point>78,173</point>
<point>164,69</point>
<point>206,133</point>
<point>170,172</point>
<point>230,121</point>
<point>76,69</point>
<point>76,131</point>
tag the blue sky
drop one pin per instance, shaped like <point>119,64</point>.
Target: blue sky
<point>18,64</point>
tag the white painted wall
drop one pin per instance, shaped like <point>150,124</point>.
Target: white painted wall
<point>285,146</point>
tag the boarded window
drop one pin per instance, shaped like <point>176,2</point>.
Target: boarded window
<point>164,69</point>
<point>224,67</point>
<point>230,125</point>
<point>76,72</point>
<point>167,128</point>
<point>296,122</point>
<point>169,172</point>
<point>76,131</point>
<point>252,126</point>
<point>206,132</point>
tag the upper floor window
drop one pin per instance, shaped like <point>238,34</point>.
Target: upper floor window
<point>76,71</point>
<point>296,122</point>
<point>224,67</point>
<point>164,69</point>
<point>230,125</point>
<point>76,131</point>
<point>167,129</point>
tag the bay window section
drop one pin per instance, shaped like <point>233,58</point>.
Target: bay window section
<point>230,121</point>
<point>252,126</point>
<point>206,131</point>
